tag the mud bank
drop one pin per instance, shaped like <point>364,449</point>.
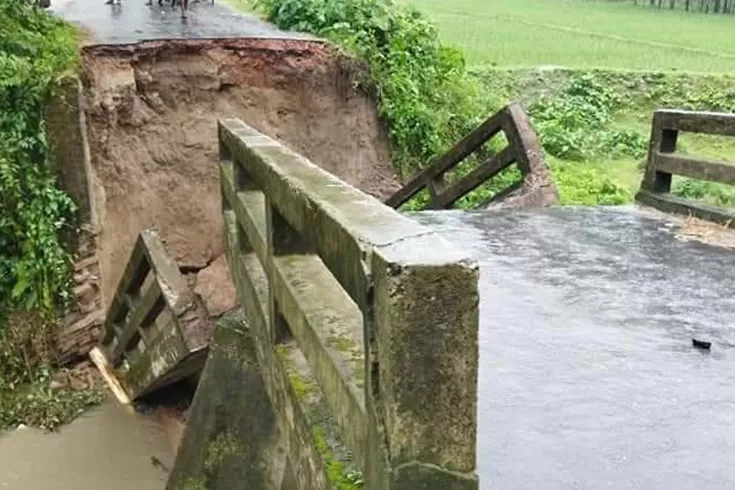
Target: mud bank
<point>151,111</point>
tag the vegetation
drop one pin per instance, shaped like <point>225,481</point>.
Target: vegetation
<point>584,34</point>
<point>26,393</point>
<point>339,475</point>
<point>595,136</point>
<point>424,93</point>
<point>593,124</point>
<point>34,265</point>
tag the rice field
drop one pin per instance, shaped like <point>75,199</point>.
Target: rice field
<point>584,34</point>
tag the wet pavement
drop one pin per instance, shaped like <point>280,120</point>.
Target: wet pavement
<point>107,448</point>
<point>588,377</point>
<point>131,21</point>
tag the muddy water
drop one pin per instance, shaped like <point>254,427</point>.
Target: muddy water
<point>588,377</point>
<point>109,448</point>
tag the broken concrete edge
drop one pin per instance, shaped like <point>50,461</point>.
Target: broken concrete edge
<point>287,45</point>
<point>662,163</point>
<point>173,350</point>
<point>231,437</point>
<point>216,441</point>
<point>355,236</point>
<point>536,189</point>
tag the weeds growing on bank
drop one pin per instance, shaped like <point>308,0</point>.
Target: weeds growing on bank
<point>26,393</point>
<point>34,265</point>
<point>35,272</point>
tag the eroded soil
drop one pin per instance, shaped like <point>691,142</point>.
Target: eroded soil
<point>152,109</point>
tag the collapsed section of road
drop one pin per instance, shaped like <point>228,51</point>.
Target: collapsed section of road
<point>146,154</point>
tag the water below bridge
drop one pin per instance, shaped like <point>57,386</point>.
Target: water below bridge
<point>110,448</point>
<point>588,376</point>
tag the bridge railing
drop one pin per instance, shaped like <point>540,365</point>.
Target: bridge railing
<point>535,187</point>
<point>664,162</point>
<point>156,330</point>
<point>355,308</point>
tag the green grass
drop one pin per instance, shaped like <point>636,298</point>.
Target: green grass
<point>583,34</point>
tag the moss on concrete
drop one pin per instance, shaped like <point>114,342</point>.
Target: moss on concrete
<point>223,446</point>
<point>341,477</point>
<point>342,344</point>
<point>137,371</point>
<point>194,484</point>
<point>347,346</point>
<point>301,386</point>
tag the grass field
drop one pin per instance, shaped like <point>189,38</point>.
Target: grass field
<point>584,34</point>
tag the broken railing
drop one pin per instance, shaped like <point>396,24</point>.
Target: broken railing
<point>355,308</point>
<point>156,330</point>
<point>445,187</point>
<point>664,162</point>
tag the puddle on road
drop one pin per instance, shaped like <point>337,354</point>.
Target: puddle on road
<point>110,447</point>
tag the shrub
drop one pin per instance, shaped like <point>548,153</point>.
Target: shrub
<point>710,192</point>
<point>577,125</point>
<point>424,94</point>
<point>34,266</point>
<point>582,185</point>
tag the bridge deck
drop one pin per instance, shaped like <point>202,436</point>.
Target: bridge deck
<point>588,377</point>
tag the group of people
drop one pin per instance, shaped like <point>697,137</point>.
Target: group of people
<point>183,4</point>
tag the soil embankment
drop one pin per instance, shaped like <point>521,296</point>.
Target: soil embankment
<point>151,111</point>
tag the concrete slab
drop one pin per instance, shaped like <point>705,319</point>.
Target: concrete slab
<point>588,376</point>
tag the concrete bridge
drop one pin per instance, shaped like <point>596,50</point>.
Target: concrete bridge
<point>534,348</point>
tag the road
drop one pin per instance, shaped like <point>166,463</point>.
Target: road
<point>132,21</point>
<point>588,376</point>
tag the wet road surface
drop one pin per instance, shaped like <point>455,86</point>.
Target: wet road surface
<point>107,448</point>
<point>132,21</point>
<point>588,377</point>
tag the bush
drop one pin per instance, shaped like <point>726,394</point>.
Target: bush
<point>582,185</point>
<point>709,192</point>
<point>424,94</point>
<point>578,124</point>
<point>34,266</point>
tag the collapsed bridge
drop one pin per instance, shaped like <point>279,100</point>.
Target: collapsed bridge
<point>367,349</point>
<point>355,357</point>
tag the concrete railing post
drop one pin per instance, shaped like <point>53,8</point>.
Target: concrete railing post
<point>425,344</point>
